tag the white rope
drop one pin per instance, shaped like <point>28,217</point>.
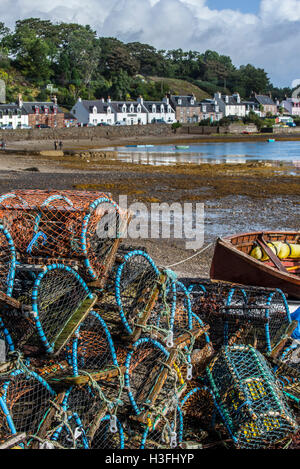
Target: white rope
<point>189,258</point>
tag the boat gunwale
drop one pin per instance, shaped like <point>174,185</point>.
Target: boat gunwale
<point>226,242</point>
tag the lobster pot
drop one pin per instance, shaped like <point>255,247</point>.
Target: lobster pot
<point>24,403</point>
<point>209,301</point>
<point>197,409</point>
<point>7,276</point>
<point>152,377</point>
<point>109,434</point>
<point>52,305</point>
<point>164,431</point>
<point>264,319</point>
<point>131,295</point>
<point>83,408</point>
<point>92,346</point>
<point>49,226</point>
<point>248,398</point>
<point>287,371</point>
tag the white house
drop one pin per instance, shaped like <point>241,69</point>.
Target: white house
<point>130,112</point>
<point>12,114</point>
<point>292,105</point>
<point>231,105</point>
<point>137,112</point>
<point>93,112</point>
<point>159,111</point>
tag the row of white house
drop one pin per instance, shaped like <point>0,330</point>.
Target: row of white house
<point>125,112</point>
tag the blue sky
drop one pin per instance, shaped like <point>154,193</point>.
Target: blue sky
<point>265,33</point>
<point>245,6</point>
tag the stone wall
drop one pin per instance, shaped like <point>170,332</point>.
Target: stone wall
<point>202,130</point>
<point>239,129</point>
<point>286,130</point>
<point>86,133</point>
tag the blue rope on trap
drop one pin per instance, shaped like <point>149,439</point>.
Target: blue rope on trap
<point>83,241</point>
<point>10,283</point>
<point>179,436</point>
<point>5,388</point>
<point>118,296</point>
<point>287,310</point>
<point>135,346</point>
<point>74,416</point>
<point>109,342</point>
<point>119,429</point>
<point>240,377</point>
<point>229,300</point>
<point>50,346</point>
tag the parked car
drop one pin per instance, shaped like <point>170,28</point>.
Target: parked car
<point>42,126</point>
<point>291,124</point>
<point>120,123</point>
<point>7,127</point>
<point>103,124</point>
<point>24,126</point>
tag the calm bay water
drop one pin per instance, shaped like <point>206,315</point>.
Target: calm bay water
<point>231,152</point>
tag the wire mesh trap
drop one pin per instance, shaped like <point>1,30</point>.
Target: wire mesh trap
<point>248,398</point>
<point>25,400</point>
<point>208,301</point>
<point>49,305</point>
<point>198,410</point>
<point>109,434</point>
<point>164,430</point>
<point>250,315</point>
<point>7,276</point>
<point>152,377</point>
<point>86,226</point>
<point>286,369</point>
<point>82,409</point>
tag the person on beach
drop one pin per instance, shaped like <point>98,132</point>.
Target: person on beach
<point>55,145</point>
<point>60,145</point>
<point>3,144</point>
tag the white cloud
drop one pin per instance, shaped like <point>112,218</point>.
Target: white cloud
<point>267,39</point>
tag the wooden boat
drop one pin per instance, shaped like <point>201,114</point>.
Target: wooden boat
<point>182,147</point>
<point>233,263</point>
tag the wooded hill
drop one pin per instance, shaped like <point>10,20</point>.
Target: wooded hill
<point>79,63</point>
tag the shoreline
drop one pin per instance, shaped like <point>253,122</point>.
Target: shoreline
<point>36,145</point>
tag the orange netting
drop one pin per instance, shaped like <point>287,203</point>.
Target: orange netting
<point>85,226</point>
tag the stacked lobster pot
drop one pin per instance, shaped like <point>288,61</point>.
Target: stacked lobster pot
<point>101,348</point>
<point>100,342</point>
<point>155,332</point>
<point>53,244</point>
<point>257,362</point>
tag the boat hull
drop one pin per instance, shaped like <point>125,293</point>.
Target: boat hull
<point>231,265</point>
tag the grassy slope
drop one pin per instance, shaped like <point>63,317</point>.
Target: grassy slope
<point>182,87</point>
<point>16,83</point>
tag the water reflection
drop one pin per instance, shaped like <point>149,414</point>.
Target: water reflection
<point>217,153</point>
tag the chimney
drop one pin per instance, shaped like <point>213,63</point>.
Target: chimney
<point>226,99</point>
<point>102,100</point>
<point>55,100</point>
<point>20,100</point>
<point>238,98</point>
<point>166,99</point>
<point>140,99</point>
<point>218,95</point>
<point>108,99</point>
<point>79,99</point>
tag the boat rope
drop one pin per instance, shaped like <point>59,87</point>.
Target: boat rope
<point>191,257</point>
